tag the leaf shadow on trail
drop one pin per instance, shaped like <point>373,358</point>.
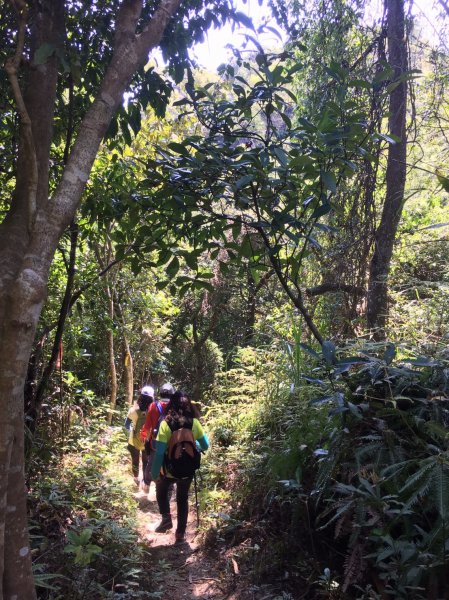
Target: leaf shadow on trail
<point>180,571</point>
<point>146,505</point>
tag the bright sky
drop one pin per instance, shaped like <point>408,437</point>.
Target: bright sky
<point>213,51</point>
<point>426,11</point>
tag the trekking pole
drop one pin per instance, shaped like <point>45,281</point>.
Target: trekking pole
<point>196,501</point>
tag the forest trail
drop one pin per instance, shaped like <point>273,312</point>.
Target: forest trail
<point>182,570</point>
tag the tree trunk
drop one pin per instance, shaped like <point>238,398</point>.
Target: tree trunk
<point>128,367</point>
<point>32,228</point>
<point>377,309</point>
<point>32,411</point>
<point>128,373</point>
<point>112,368</point>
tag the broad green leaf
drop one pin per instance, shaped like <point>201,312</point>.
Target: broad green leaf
<point>236,231</point>
<point>389,354</point>
<point>321,210</point>
<point>329,181</point>
<point>43,53</point>
<point>423,361</point>
<point>179,148</point>
<point>329,352</point>
<point>243,181</point>
<point>85,535</point>
<point>443,181</point>
<point>172,268</point>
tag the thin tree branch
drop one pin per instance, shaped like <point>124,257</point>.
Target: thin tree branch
<point>325,288</point>
<point>33,410</point>
<point>445,6</point>
<point>12,66</point>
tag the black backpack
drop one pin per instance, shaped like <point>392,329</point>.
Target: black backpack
<point>182,457</point>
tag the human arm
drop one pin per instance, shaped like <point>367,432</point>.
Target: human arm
<point>163,437</point>
<point>199,435</point>
<point>158,459</point>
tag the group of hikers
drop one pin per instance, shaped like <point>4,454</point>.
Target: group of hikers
<point>166,437</point>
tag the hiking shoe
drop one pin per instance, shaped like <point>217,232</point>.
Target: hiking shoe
<point>165,524</point>
<point>180,536</point>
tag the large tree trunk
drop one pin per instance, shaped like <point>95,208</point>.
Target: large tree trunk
<point>377,310</point>
<point>30,233</point>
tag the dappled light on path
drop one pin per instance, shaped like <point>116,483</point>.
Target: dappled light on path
<point>180,570</point>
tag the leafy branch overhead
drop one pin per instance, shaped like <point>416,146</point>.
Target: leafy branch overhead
<point>257,176</point>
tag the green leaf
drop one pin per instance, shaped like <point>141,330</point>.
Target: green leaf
<point>236,230</point>
<point>443,181</point>
<point>73,538</point>
<point>243,181</point>
<point>424,361</point>
<point>301,161</point>
<point>388,138</point>
<point>191,261</point>
<point>179,148</point>
<point>243,19</point>
<point>328,349</point>
<point>85,535</point>
<point>43,53</point>
<point>390,353</point>
<point>281,155</point>
<point>309,350</point>
<point>172,268</point>
<point>246,248</point>
<point>329,181</point>
<point>321,210</point>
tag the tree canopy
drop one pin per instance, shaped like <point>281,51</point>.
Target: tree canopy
<point>272,239</point>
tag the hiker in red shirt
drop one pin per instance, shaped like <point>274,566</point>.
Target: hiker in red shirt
<point>148,433</point>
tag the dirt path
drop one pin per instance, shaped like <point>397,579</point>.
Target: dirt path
<point>181,570</point>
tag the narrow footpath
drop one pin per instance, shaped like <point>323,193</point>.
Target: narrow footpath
<point>181,570</point>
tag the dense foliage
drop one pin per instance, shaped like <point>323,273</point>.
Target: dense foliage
<point>224,242</point>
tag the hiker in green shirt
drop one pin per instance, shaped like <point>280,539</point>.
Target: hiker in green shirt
<point>180,417</point>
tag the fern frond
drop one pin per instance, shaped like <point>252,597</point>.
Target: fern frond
<point>421,492</point>
<point>369,451</point>
<point>343,525</point>
<point>396,469</point>
<point>440,488</point>
<point>354,566</point>
<point>420,474</point>
<point>436,430</point>
<point>345,506</point>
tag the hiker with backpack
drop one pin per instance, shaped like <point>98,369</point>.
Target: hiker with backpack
<point>176,460</point>
<point>133,423</point>
<point>149,431</point>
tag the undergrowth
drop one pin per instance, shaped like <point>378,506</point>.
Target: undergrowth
<point>338,485</point>
<point>82,514</point>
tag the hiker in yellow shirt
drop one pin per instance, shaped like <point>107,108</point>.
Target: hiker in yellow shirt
<point>134,421</point>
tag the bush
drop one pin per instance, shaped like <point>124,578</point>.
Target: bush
<point>83,522</point>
